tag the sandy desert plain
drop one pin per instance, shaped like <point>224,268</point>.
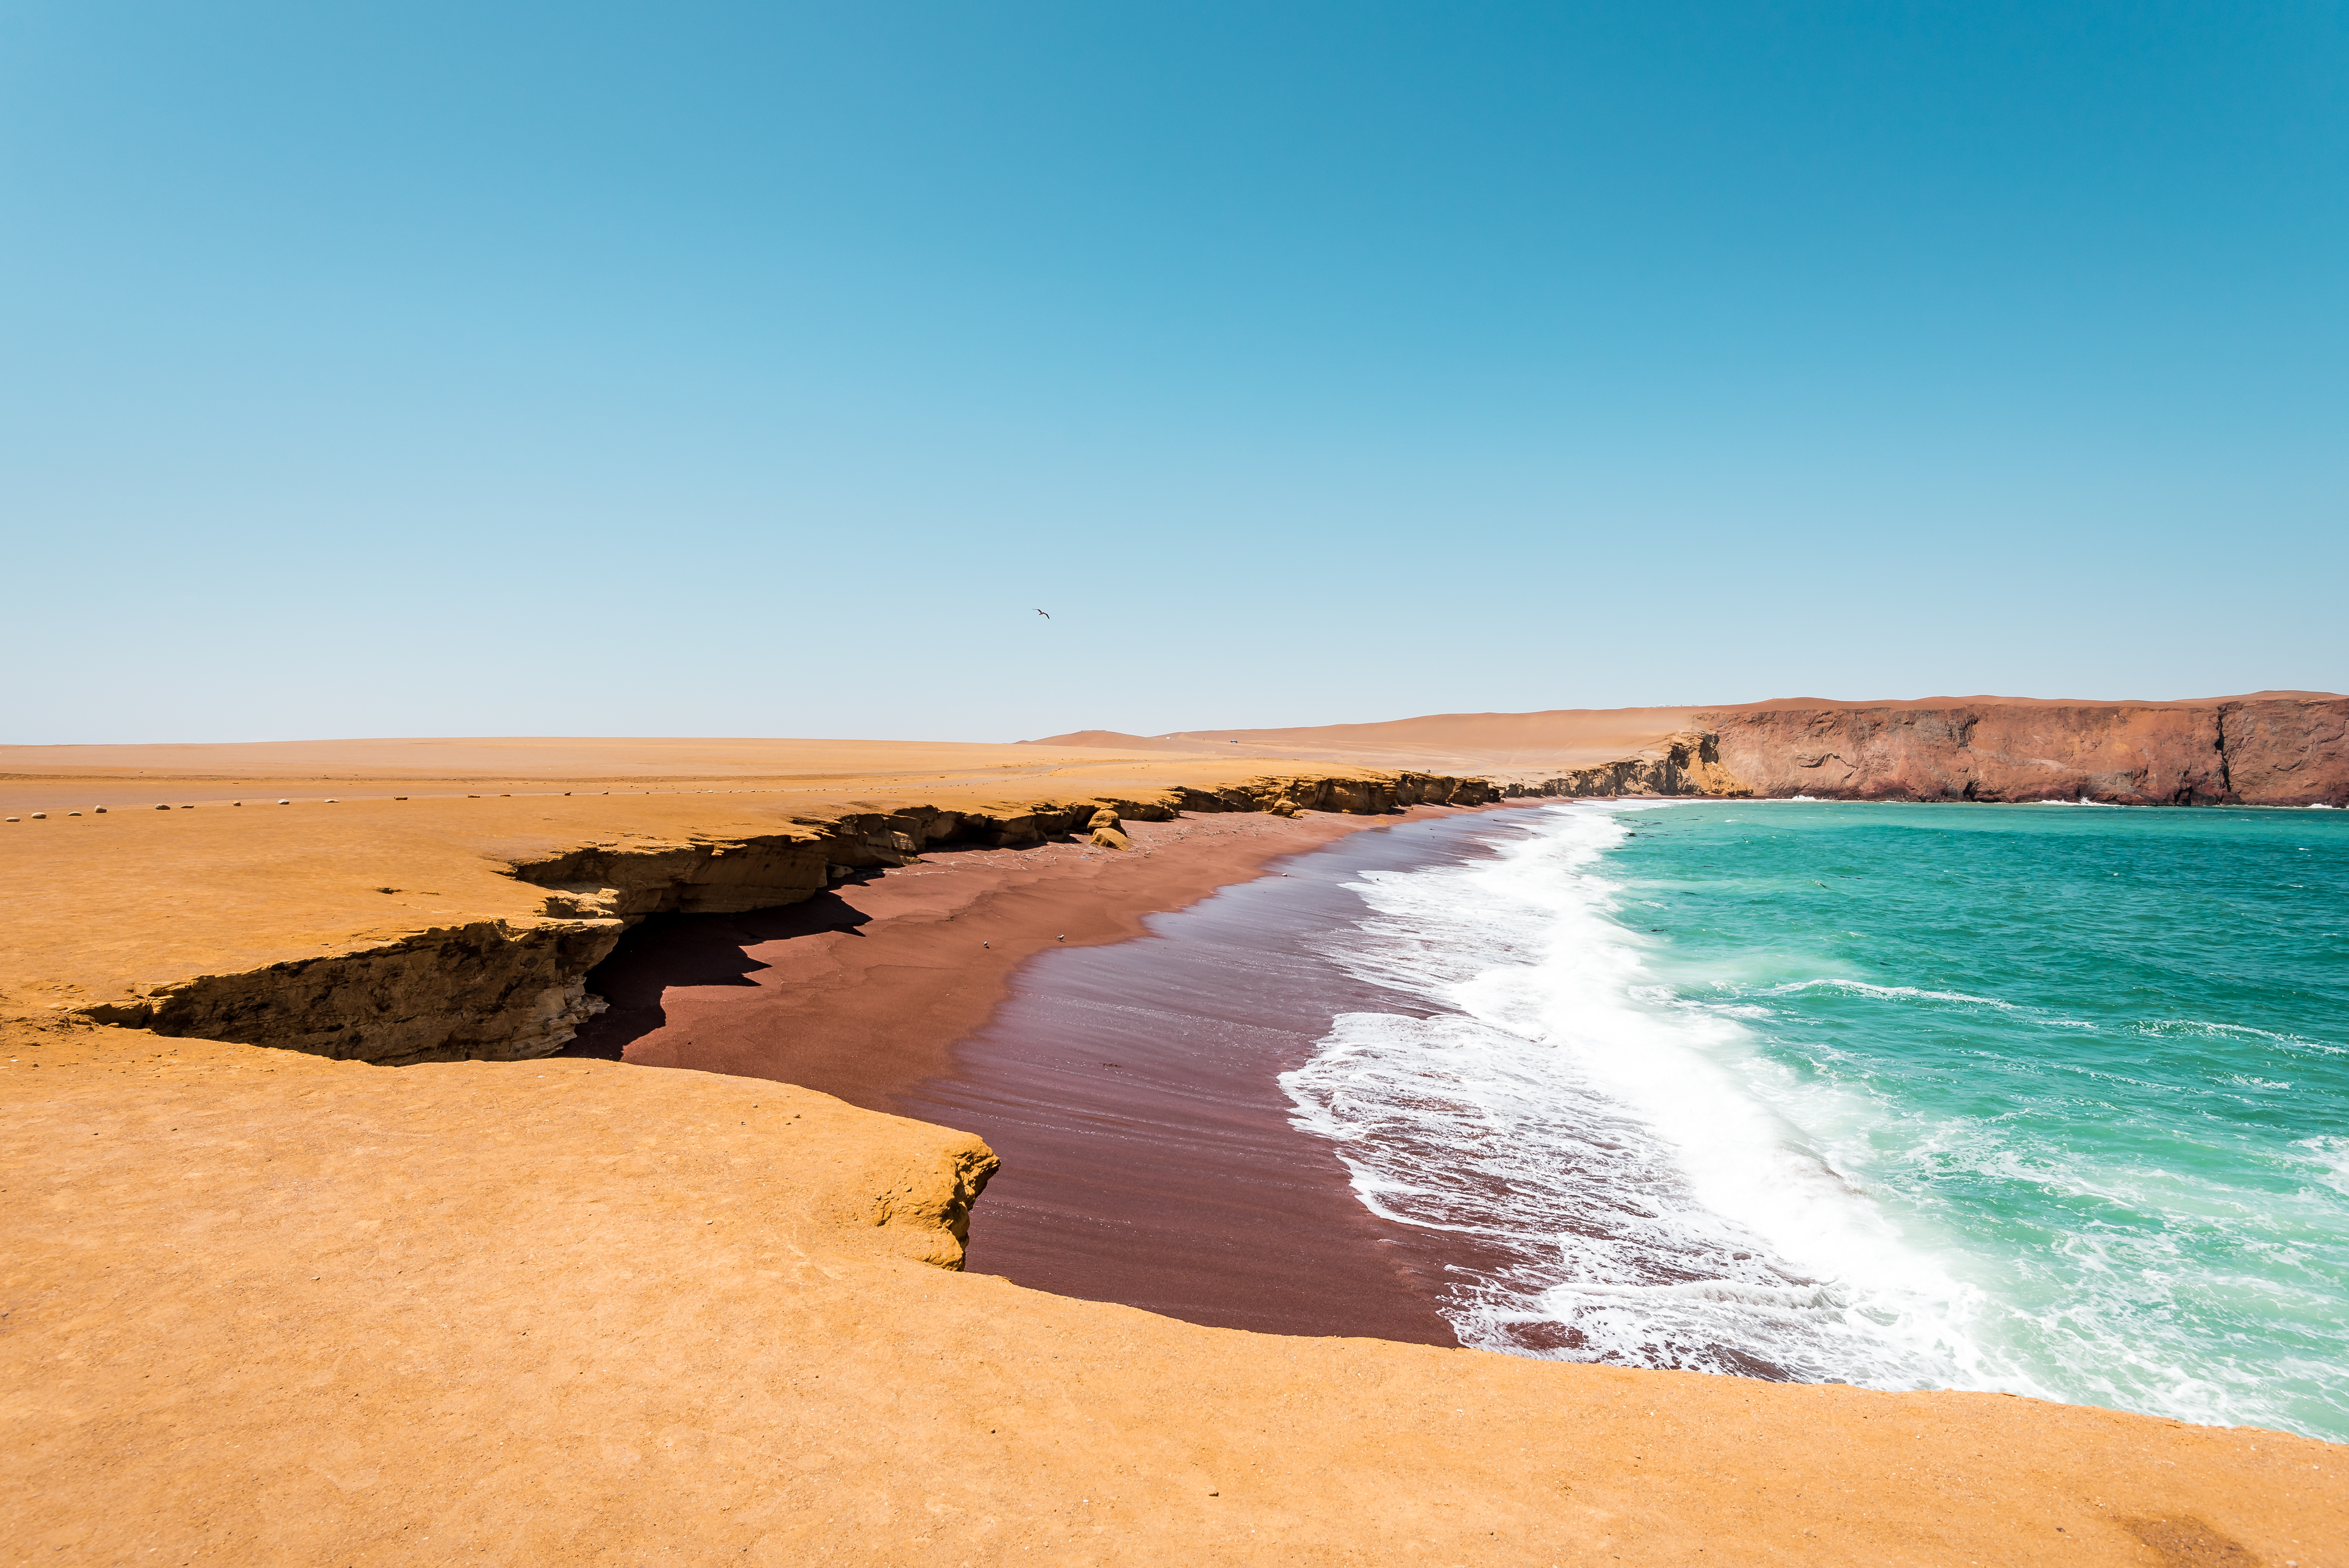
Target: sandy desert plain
<point>265,1306</point>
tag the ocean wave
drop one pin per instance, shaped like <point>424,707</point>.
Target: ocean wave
<point>1567,1109</point>
<point>2174,1028</point>
<point>2331,1158</point>
<point>1886,993</point>
<point>1658,1152</point>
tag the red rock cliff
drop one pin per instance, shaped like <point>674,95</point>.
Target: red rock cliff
<point>2272,749</point>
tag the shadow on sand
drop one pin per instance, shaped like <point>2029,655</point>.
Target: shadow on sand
<point>665,950</point>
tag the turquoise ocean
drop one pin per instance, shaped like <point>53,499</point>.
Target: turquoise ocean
<point>2046,1099</point>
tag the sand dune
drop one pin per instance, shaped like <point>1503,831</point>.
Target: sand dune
<point>1562,737</point>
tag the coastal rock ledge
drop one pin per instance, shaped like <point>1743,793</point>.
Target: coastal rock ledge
<point>2270,750</point>
<point>513,988</point>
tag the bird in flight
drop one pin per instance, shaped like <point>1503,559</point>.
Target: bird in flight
<point>1041,612</point>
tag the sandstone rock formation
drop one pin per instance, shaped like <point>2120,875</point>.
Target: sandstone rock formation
<point>485,991</point>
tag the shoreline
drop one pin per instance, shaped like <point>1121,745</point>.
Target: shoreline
<point>1150,1155</point>
<point>1182,1188</point>
<point>275,1306</point>
<point>863,991</point>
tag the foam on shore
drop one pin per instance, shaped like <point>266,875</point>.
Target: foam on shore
<point>1561,1105</point>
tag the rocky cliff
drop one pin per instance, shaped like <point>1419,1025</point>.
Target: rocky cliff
<point>2266,751</point>
<point>514,987</point>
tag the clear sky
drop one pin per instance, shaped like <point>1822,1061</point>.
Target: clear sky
<point>429,368</point>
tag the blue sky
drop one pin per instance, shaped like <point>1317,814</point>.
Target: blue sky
<point>438,369</point>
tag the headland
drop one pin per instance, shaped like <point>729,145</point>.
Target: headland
<point>2267,748</point>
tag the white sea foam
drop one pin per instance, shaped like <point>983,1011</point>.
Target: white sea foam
<point>2331,1158</point>
<point>1886,993</point>
<point>1613,1144</point>
<point>2165,1028</point>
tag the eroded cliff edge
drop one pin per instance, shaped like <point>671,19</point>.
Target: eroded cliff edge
<point>2252,751</point>
<point>514,987</point>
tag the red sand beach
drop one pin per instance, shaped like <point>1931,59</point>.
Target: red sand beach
<point>863,992</point>
<point>891,993</point>
<point>1113,1078</point>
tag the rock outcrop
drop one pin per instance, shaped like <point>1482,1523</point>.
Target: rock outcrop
<point>2283,750</point>
<point>485,991</point>
<point>1109,831</point>
<point>1688,763</point>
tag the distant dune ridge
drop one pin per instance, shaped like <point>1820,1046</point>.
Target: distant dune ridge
<point>2264,749</point>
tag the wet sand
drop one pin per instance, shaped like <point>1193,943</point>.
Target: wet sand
<point>863,991</point>
<point>1133,1093</point>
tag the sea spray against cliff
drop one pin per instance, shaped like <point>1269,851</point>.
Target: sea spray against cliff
<point>1899,1095</point>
